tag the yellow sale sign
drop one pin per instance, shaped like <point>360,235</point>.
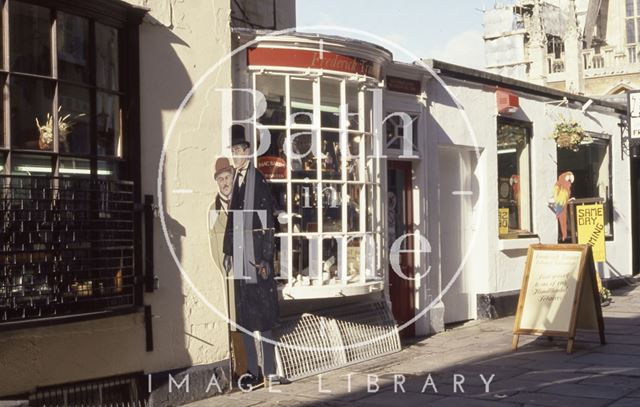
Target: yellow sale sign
<point>590,219</point>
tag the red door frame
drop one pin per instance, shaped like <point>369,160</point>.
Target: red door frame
<point>401,290</point>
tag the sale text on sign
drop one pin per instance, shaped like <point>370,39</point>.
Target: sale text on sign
<point>590,219</point>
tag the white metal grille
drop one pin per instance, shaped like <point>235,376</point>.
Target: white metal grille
<point>328,339</point>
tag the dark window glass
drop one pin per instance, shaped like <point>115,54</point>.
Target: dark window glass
<point>31,164</point>
<point>631,31</point>
<point>629,8</point>
<point>74,118</point>
<point>513,180</point>
<point>108,122</point>
<point>30,37</point>
<point>591,166</point>
<point>70,167</point>
<point>73,48</point>
<point>332,207</point>
<point>31,113</point>
<point>330,103</point>
<point>107,75</point>
<point>109,169</point>
<point>273,89</point>
<point>3,160</point>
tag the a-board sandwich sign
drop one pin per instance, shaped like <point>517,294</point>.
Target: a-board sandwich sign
<point>559,294</point>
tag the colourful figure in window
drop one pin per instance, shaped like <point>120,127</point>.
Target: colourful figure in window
<point>561,198</point>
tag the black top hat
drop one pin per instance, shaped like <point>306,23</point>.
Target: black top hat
<point>238,135</point>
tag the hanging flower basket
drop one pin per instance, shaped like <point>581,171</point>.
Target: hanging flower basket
<point>569,135</point>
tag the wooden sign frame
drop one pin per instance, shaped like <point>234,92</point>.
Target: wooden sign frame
<point>585,313</point>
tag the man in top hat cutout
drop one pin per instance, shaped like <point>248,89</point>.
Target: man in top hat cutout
<point>256,294</point>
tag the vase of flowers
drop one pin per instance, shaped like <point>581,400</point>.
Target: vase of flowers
<point>570,135</point>
<point>65,124</point>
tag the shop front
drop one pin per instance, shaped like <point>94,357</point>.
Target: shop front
<point>531,144</point>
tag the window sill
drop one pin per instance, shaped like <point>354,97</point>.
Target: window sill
<point>517,244</point>
<point>330,291</point>
<point>53,321</point>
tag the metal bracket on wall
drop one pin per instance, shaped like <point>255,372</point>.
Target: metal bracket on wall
<point>148,327</point>
<point>150,279</point>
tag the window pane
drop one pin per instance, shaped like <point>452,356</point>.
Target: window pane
<point>31,113</point>
<point>513,179</point>
<point>3,160</point>
<point>73,48</point>
<point>109,169</point>
<point>354,172</point>
<point>303,158</point>
<point>629,8</point>
<point>74,118</point>
<point>354,257</point>
<point>305,260</point>
<point>331,264</point>
<point>29,164</point>
<point>301,102</point>
<point>108,121</point>
<point>631,31</point>
<point>354,208</point>
<point>30,37</point>
<point>330,103</point>
<point>305,208</point>
<point>368,110</point>
<point>332,208</point>
<point>590,166</point>
<point>353,109</point>
<point>331,163</point>
<point>107,75</point>
<point>74,167</point>
<point>273,163</point>
<point>273,89</point>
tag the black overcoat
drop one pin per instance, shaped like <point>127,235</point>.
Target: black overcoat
<point>256,303</point>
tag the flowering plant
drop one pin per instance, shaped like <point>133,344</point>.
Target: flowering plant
<point>569,135</point>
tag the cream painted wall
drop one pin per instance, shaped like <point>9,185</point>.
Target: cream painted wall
<point>179,42</point>
<point>501,270</point>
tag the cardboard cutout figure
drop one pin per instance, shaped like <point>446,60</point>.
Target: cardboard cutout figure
<point>250,245</point>
<point>561,198</point>
<point>223,174</point>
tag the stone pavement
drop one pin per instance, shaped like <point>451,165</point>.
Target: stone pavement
<point>540,373</point>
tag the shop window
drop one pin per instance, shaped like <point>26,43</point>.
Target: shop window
<point>322,173</point>
<point>66,196</point>
<point>591,167</point>
<point>514,179</point>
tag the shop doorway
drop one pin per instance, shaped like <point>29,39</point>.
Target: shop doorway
<point>400,223</point>
<point>456,205</point>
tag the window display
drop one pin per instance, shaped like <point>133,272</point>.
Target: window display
<point>514,198</point>
<point>591,167</point>
<point>321,169</point>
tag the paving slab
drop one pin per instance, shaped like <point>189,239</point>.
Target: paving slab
<point>540,373</point>
<point>555,400</point>
<point>583,390</point>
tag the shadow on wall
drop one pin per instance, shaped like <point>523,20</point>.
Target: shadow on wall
<point>164,81</point>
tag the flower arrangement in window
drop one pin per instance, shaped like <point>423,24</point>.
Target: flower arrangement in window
<point>570,135</point>
<point>65,124</point>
